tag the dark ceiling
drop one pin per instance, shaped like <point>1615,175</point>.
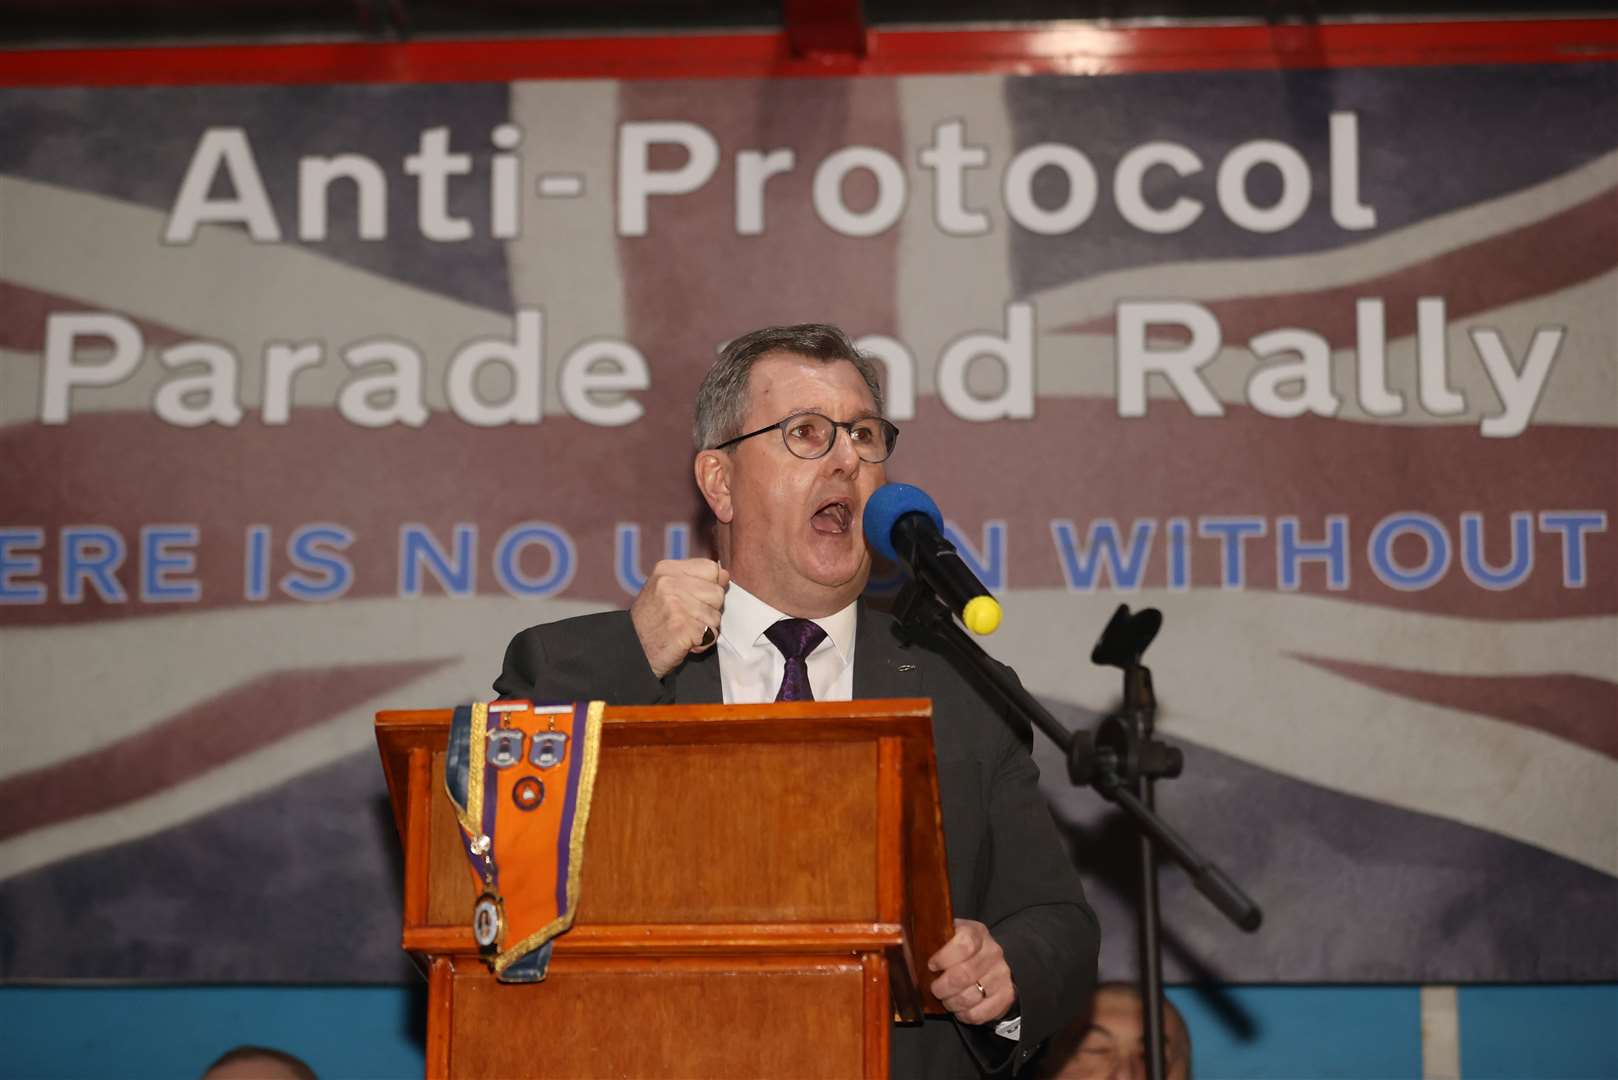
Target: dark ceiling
<point>68,23</point>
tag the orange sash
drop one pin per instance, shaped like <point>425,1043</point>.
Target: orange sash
<point>521,783</point>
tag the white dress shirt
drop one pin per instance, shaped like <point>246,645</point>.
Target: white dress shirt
<point>751,667</point>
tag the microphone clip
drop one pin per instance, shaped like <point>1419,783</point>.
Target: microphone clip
<point>919,612</point>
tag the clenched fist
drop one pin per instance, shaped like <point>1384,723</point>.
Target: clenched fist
<point>676,608</point>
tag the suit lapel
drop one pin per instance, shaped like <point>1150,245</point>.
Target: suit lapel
<point>697,680</point>
<point>883,668</point>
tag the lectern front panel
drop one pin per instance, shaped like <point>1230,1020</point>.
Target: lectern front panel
<point>759,814</point>
<point>692,1019</point>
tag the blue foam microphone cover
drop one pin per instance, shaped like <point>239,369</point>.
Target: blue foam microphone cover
<point>886,506</point>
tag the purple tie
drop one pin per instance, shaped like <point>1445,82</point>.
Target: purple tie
<point>796,638</point>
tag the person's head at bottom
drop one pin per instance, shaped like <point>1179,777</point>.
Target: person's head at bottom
<point>1108,1040</point>
<point>258,1063</point>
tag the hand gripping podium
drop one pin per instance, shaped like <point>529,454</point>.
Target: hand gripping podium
<point>762,887</point>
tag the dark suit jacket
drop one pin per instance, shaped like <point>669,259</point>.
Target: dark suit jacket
<point>1007,868</point>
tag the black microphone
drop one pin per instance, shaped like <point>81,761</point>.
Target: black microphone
<point>903,524</point>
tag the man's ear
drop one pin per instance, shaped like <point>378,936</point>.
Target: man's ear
<point>713,480</point>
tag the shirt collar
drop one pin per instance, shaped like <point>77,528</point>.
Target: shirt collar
<point>745,618</point>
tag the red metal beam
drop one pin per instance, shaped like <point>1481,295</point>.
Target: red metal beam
<point>835,28</point>
<point>1069,49</point>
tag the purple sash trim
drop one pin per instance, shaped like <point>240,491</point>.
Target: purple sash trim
<point>575,767</point>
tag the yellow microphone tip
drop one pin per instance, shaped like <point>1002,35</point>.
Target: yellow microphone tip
<point>981,614</point>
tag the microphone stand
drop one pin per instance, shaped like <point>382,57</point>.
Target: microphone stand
<point>1120,761</point>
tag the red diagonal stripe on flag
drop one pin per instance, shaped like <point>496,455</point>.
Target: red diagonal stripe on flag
<point>24,311</point>
<point>192,742</point>
<point>1577,708</point>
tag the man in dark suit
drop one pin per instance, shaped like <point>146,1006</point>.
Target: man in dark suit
<point>790,443</point>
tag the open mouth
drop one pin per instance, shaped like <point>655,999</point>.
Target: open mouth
<point>833,518</point>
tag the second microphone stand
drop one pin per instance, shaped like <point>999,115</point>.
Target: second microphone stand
<point>1120,761</point>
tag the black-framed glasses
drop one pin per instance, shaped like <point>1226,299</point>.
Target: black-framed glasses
<point>810,435</point>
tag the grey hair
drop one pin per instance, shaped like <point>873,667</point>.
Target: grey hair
<point>723,396</point>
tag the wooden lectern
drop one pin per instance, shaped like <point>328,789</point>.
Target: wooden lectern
<point>762,887</point>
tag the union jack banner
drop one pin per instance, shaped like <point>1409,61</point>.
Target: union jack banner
<point>311,396</point>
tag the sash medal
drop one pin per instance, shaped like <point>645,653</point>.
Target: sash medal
<point>520,777</point>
